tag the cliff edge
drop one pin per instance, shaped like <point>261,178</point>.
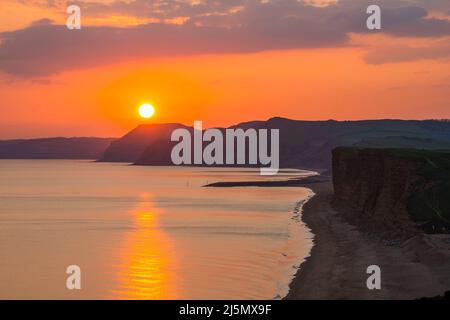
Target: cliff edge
<point>393,193</point>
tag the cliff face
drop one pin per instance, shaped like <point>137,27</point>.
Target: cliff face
<point>393,191</point>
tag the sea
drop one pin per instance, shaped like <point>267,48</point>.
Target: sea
<point>139,232</point>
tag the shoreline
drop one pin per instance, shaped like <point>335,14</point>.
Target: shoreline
<point>341,253</point>
<point>336,267</point>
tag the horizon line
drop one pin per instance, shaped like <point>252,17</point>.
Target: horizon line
<point>240,123</point>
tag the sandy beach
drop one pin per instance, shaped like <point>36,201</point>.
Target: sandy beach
<point>336,268</point>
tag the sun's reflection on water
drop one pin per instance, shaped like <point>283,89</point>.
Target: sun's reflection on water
<point>145,265</point>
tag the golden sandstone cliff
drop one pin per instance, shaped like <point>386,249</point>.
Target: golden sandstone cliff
<point>393,192</point>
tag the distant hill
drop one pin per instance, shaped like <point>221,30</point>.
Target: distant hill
<point>303,144</point>
<point>131,146</point>
<point>54,148</point>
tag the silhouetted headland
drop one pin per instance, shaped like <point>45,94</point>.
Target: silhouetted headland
<point>54,148</point>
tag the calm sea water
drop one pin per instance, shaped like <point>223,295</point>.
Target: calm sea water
<point>146,232</point>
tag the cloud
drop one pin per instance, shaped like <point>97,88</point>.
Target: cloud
<point>413,21</point>
<point>403,53</point>
<point>46,49</point>
<point>211,26</point>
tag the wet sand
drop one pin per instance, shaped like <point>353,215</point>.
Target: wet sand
<point>336,269</point>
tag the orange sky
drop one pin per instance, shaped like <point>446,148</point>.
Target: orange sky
<point>227,88</point>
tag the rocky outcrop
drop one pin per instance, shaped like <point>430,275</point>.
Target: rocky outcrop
<point>393,191</point>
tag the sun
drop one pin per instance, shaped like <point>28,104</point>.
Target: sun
<point>146,111</point>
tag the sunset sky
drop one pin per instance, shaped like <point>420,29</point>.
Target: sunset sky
<point>222,62</point>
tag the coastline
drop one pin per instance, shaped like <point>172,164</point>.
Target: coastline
<point>341,252</point>
<point>336,267</point>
